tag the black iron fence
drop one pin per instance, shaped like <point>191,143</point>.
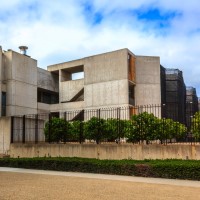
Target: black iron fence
<point>137,124</point>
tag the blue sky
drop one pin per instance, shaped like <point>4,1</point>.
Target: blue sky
<point>62,30</point>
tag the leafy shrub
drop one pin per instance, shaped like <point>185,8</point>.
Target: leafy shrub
<point>141,127</point>
<point>196,126</point>
<point>94,129</point>
<point>76,131</point>
<point>176,169</point>
<point>57,130</point>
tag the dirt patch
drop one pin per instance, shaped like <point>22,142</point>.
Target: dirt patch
<point>19,186</point>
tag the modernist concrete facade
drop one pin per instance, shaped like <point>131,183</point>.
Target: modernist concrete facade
<point>112,79</point>
<point>21,82</point>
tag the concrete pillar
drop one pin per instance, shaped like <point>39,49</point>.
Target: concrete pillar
<point>1,65</point>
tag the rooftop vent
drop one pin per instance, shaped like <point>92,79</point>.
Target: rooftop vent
<point>23,49</point>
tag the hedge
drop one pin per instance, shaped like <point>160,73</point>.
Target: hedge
<point>174,169</point>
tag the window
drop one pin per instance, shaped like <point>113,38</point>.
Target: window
<point>3,104</point>
<point>48,97</point>
<point>131,95</point>
<point>78,75</point>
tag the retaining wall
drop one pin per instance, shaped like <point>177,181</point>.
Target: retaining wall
<point>107,151</point>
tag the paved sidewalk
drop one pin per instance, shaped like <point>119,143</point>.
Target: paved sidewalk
<point>26,184</point>
<point>106,177</point>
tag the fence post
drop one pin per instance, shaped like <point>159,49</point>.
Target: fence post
<point>49,128</point>
<point>98,116</point>
<point>24,129</point>
<point>118,125</point>
<point>36,128</point>
<point>12,130</point>
<point>166,133</point>
<point>65,133</point>
<point>65,116</point>
<point>140,125</point>
<point>81,132</point>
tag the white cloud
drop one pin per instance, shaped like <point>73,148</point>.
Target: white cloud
<point>58,31</point>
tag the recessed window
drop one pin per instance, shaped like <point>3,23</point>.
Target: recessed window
<point>78,75</point>
<point>48,97</point>
<point>3,104</point>
<point>72,73</point>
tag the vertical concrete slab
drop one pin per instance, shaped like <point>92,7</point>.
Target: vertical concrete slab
<point>148,81</point>
<point>1,65</point>
<point>106,79</point>
<point>5,130</point>
<point>21,87</point>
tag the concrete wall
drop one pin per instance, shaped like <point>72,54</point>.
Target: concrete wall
<point>5,125</point>
<point>106,67</point>
<point>106,79</point>
<point>70,64</point>
<point>21,85</point>
<point>104,94</point>
<point>71,106</point>
<point>107,151</point>
<point>148,83</point>
<point>43,108</point>
<point>1,70</point>
<point>47,80</point>
<point>69,89</point>
<point>21,98</point>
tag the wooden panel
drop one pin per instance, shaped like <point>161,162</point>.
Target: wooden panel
<point>133,111</point>
<point>131,68</point>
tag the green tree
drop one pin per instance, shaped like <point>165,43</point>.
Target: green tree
<point>76,131</point>
<point>164,130</point>
<point>145,125</point>
<point>196,126</point>
<point>179,131</point>
<point>112,129</point>
<point>57,130</point>
<point>94,129</point>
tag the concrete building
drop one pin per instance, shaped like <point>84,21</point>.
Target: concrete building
<point>112,79</point>
<point>198,104</point>
<point>175,104</point>
<point>23,84</point>
<point>191,104</point>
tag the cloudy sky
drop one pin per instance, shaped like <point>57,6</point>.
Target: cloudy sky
<point>61,30</point>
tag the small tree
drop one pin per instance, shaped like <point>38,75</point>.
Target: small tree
<point>196,126</point>
<point>57,130</point>
<point>132,132</point>
<point>76,131</point>
<point>179,131</point>
<point>168,129</point>
<point>146,125</point>
<point>94,129</point>
<point>111,129</point>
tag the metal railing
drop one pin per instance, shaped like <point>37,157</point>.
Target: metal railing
<point>114,124</point>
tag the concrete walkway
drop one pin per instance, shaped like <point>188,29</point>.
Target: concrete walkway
<point>187,183</point>
<point>26,184</point>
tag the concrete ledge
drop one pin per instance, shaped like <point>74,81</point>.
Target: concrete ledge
<point>107,151</point>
